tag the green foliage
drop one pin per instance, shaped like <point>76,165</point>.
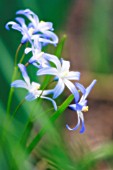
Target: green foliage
<point>16,136</point>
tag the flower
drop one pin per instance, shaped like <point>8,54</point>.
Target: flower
<point>62,75</point>
<point>22,27</point>
<point>37,58</point>
<point>81,105</point>
<point>42,29</point>
<point>33,88</point>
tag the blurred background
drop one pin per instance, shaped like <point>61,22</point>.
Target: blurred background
<point>88,25</point>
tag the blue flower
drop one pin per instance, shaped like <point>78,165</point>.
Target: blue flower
<point>22,27</point>
<point>33,88</point>
<point>37,59</point>
<point>42,29</point>
<point>62,75</point>
<point>81,105</point>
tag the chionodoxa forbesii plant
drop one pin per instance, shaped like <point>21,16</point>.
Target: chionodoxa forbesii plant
<point>36,35</point>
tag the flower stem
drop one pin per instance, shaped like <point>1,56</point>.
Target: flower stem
<point>22,58</point>
<point>11,91</point>
<point>13,78</point>
<point>17,108</point>
<point>16,55</point>
<point>41,133</point>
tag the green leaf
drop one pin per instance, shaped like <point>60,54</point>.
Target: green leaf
<point>39,136</point>
<point>59,49</point>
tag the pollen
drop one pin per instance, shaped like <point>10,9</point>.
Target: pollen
<point>40,54</point>
<point>85,108</point>
<point>63,74</point>
<point>31,30</point>
<point>37,86</point>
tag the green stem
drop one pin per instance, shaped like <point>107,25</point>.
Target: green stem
<point>11,91</point>
<point>16,55</point>
<point>17,108</point>
<point>23,55</point>
<point>13,78</point>
<point>41,133</point>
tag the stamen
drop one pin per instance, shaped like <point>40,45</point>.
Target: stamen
<point>85,108</point>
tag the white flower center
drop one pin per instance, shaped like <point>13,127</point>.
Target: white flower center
<point>31,30</point>
<point>64,74</point>
<point>39,55</point>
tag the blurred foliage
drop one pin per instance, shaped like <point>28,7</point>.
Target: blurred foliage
<point>101,25</point>
<point>53,149</point>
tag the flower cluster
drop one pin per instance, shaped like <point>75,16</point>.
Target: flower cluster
<point>39,34</point>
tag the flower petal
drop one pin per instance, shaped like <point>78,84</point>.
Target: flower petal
<point>47,71</point>
<point>30,15</point>
<point>44,26</point>
<point>53,59</point>
<point>30,97</point>
<point>81,87</point>
<point>14,25</point>
<point>47,92</point>
<point>76,127</point>
<point>75,107</point>
<point>24,73</point>
<point>65,65</point>
<point>49,37</point>
<point>72,88</point>
<point>53,102</point>
<point>88,89</point>
<point>27,50</point>
<point>82,120</point>
<point>72,107</point>
<point>58,89</point>
<point>73,75</point>
<point>19,83</point>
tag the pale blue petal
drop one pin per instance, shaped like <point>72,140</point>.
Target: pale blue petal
<point>73,75</point>
<point>21,21</point>
<point>53,102</point>
<point>65,65</point>
<point>82,121</point>
<point>19,83</point>
<point>72,107</point>
<point>36,42</point>
<point>53,59</point>
<point>75,107</point>
<point>49,37</point>
<point>24,30</point>
<point>76,127</point>
<point>58,89</point>
<point>47,71</point>
<point>88,89</point>
<point>44,26</point>
<point>30,97</point>
<point>14,25</point>
<point>81,88</point>
<point>72,88</point>
<point>83,102</point>
<point>82,128</point>
<point>30,15</point>
<point>27,50</point>
<point>46,92</point>
<point>24,73</point>
<point>25,39</point>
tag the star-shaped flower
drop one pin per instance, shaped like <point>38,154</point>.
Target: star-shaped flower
<point>42,29</point>
<point>62,75</point>
<point>81,105</point>
<point>33,88</point>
